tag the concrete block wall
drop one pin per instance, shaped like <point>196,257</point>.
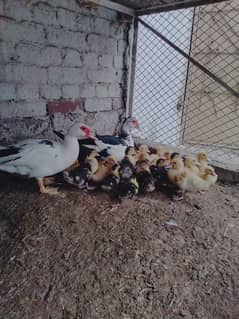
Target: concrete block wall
<point>59,62</point>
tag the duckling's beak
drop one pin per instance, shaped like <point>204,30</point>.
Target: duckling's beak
<point>168,166</point>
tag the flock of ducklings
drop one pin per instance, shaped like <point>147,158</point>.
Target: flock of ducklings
<point>141,171</point>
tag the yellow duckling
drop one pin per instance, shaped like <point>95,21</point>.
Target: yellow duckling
<point>202,160</point>
<point>92,161</point>
<point>176,170</point>
<point>160,150</point>
<point>190,164</point>
<point>189,181</point>
<point>100,174</point>
<point>209,175</point>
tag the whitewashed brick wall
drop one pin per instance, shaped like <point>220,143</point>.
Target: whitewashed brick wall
<point>57,51</point>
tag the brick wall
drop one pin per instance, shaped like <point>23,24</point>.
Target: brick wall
<point>58,57</point>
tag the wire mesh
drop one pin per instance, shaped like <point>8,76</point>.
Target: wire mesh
<point>177,103</point>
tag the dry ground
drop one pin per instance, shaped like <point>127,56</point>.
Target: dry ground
<point>88,256</point>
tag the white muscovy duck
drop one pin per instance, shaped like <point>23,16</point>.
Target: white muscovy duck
<point>108,145</point>
<point>39,158</point>
<point>125,130</point>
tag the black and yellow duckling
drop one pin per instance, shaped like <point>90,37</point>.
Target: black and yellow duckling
<point>160,173</point>
<point>112,180</point>
<point>80,175</point>
<point>144,177</point>
<point>127,165</point>
<point>127,188</point>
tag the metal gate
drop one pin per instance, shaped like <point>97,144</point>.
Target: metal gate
<point>177,102</point>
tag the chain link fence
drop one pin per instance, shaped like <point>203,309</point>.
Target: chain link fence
<point>176,102</point>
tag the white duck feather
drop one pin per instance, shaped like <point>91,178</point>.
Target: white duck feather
<point>109,145</point>
<point>39,158</point>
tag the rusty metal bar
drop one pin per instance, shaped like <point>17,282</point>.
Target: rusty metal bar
<point>132,67</point>
<point>192,60</point>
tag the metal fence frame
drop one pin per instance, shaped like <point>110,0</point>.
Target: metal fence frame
<point>191,61</point>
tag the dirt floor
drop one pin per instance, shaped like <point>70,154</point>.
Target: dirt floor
<point>87,256</point>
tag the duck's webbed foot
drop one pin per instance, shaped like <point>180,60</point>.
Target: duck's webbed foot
<point>48,190</point>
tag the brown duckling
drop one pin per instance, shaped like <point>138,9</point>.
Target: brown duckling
<point>143,153</point>
<point>111,180</point>
<point>104,169</point>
